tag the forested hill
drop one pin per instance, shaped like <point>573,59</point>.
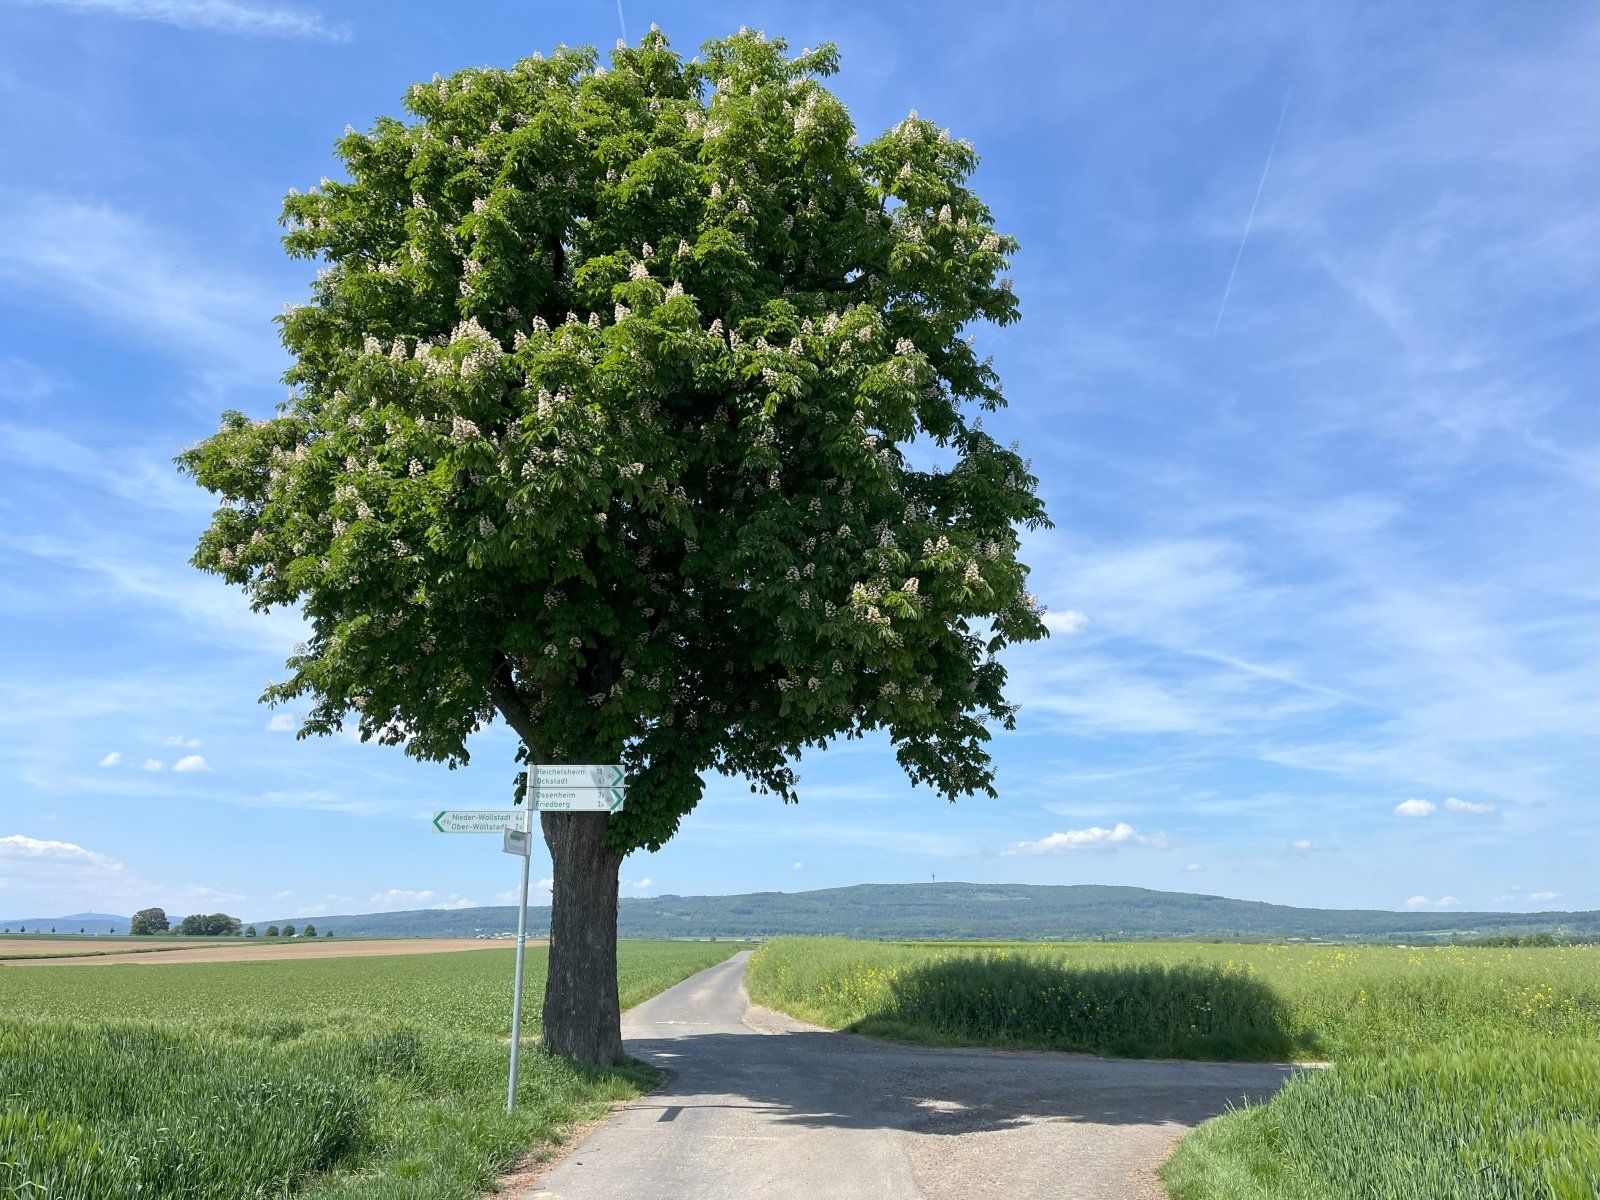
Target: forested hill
<point>1019,912</point>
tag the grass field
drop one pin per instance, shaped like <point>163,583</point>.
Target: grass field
<point>1458,1074</point>
<point>339,1079</point>
<point>1180,999</point>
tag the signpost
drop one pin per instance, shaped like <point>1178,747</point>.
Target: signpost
<point>475,820</point>
<point>577,776</point>
<point>565,799</point>
<point>551,788</point>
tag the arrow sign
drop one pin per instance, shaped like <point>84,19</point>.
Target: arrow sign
<point>476,820</point>
<point>575,775</point>
<point>578,799</point>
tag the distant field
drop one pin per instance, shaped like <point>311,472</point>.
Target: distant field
<point>1458,1074</point>
<point>249,950</point>
<point>356,1078</point>
<point>78,946</point>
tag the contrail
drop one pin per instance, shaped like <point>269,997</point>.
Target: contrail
<point>1250,220</point>
<point>622,21</point>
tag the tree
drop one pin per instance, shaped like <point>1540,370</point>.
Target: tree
<point>272,931</point>
<point>598,423</point>
<point>148,921</point>
<point>209,925</point>
<point>288,931</point>
<point>309,931</point>
<point>249,931</point>
<point>327,933</point>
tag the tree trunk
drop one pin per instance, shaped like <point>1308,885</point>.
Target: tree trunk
<point>582,1018</point>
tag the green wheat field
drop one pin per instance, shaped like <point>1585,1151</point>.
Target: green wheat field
<point>338,1079</point>
<point>1456,1073</point>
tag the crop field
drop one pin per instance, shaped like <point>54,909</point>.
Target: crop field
<point>1457,1073</point>
<point>338,1079</point>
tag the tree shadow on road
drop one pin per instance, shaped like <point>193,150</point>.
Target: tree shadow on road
<point>824,1080</point>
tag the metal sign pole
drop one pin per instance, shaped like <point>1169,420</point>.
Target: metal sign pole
<point>522,943</point>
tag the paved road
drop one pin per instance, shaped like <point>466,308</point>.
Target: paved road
<point>760,1107</point>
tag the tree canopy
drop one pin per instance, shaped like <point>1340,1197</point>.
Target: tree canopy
<point>635,404</point>
<point>148,921</point>
<point>209,925</point>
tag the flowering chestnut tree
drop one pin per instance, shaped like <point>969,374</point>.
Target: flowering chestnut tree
<point>598,423</point>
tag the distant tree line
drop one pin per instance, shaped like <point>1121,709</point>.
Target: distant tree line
<point>1525,939</point>
<point>148,921</point>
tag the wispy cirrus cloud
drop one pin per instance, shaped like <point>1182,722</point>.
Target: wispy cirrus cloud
<point>119,268</point>
<point>219,16</point>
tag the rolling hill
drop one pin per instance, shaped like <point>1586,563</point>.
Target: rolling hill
<point>1020,912</point>
<point>71,923</point>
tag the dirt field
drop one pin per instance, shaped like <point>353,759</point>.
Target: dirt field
<point>29,947</point>
<point>245,951</point>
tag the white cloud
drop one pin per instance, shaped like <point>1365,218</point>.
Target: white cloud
<point>1067,621</point>
<point>191,762</point>
<point>18,848</point>
<point>1541,896</point>
<point>1425,902</point>
<point>1467,806</point>
<point>186,743</point>
<point>48,875</point>
<point>218,16</point>
<point>112,759</point>
<point>640,884</point>
<point>1194,867</point>
<point>405,898</point>
<point>1414,808</point>
<point>282,723</point>
<point>152,764</point>
<point>1094,838</point>
<point>799,866</point>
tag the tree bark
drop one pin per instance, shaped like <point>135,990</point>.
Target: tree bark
<point>582,1017</point>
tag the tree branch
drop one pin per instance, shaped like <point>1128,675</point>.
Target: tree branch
<point>508,699</point>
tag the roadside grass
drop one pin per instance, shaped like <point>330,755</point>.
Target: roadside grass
<point>1258,1001</point>
<point>339,1079</point>
<point>1458,1073</point>
<point>1491,1119</point>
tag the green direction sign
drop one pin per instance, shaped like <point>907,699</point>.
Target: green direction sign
<point>575,775</point>
<point>578,799</point>
<point>476,820</point>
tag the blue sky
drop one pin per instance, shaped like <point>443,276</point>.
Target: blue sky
<point>1318,434</point>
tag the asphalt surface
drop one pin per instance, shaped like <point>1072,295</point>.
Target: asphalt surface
<point>761,1107</point>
